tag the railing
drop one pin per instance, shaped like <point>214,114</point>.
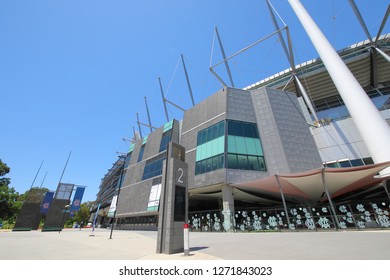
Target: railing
<point>352,215</point>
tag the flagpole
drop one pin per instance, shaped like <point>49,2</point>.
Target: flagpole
<point>63,171</point>
<point>36,174</point>
<point>94,220</point>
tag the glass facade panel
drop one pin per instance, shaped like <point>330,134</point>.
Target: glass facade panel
<point>253,163</point>
<point>357,162</point>
<point>232,145</point>
<point>244,147</point>
<point>168,126</point>
<point>243,129</point>
<point>153,167</point>
<point>210,148</point>
<point>371,214</point>
<point>209,164</point>
<point>368,161</point>
<point>346,163</point>
<point>145,140</point>
<point>242,162</point>
<point>240,145</point>
<point>221,129</point>
<point>127,160</point>
<point>259,149</point>
<point>206,221</point>
<point>197,168</point>
<point>203,166</point>
<point>141,153</point>
<point>262,163</point>
<point>232,161</point>
<point>165,139</point>
<point>250,145</point>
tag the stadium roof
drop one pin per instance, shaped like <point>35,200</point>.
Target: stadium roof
<point>370,69</point>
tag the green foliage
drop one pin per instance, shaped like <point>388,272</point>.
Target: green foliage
<point>82,215</point>
<point>8,225</point>
<point>23,196</point>
<point>9,206</point>
<point>4,169</point>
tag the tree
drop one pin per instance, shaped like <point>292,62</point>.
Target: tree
<point>83,214</point>
<point>9,205</point>
<point>4,169</point>
<point>23,196</point>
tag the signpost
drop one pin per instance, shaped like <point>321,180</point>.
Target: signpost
<point>174,201</point>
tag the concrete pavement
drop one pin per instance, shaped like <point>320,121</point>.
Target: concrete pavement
<point>72,244</point>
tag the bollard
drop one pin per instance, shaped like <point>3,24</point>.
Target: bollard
<point>186,240</point>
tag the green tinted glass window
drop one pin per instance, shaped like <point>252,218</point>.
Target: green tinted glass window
<point>210,149</point>
<point>232,161</point>
<point>253,163</point>
<point>141,153</point>
<point>244,147</point>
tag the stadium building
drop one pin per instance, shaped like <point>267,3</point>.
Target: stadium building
<point>260,159</point>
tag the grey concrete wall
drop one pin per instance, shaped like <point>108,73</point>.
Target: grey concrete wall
<point>134,196</point>
<point>285,136</point>
<point>240,107</point>
<point>286,140</point>
<point>205,114</point>
<point>210,178</point>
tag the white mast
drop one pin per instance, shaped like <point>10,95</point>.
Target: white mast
<point>372,127</point>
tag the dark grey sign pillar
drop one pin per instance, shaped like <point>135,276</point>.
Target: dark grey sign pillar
<point>173,202</point>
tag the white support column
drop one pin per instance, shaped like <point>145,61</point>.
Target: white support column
<point>306,98</point>
<point>371,125</point>
<point>383,54</point>
<point>228,207</point>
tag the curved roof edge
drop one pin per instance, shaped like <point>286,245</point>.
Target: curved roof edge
<point>383,39</point>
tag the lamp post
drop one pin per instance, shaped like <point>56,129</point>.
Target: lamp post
<point>119,190</point>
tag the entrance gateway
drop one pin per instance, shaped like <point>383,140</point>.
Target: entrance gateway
<point>173,212</point>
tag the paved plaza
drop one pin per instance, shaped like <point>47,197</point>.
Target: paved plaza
<point>73,244</point>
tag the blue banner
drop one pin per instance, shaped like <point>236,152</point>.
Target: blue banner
<point>46,202</point>
<point>78,196</point>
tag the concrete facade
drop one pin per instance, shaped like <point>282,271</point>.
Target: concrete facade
<point>286,141</point>
<point>135,192</point>
<point>282,131</point>
<point>286,138</point>
<point>203,115</point>
<point>340,141</point>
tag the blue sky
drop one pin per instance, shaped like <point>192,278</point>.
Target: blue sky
<point>74,73</point>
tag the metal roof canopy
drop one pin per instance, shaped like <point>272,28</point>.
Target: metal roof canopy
<point>313,185</point>
<point>315,76</point>
<point>310,187</point>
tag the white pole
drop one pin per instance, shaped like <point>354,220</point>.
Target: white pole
<point>307,99</point>
<point>186,240</point>
<point>383,54</point>
<point>372,127</point>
